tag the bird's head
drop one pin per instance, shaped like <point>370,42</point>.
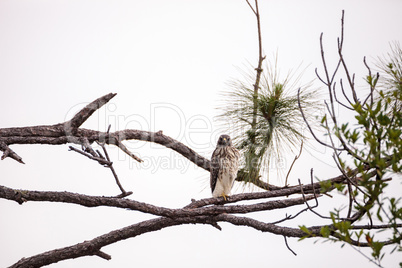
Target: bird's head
<point>224,140</point>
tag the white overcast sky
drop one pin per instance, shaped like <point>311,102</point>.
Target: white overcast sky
<point>168,62</point>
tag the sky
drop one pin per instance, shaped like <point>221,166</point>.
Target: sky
<point>168,62</point>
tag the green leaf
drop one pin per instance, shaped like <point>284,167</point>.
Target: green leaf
<point>355,136</point>
<point>325,186</point>
<point>339,186</point>
<point>305,229</point>
<point>325,232</point>
<point>324,118</point>
<point>377,247</point>
<point>379,214</point>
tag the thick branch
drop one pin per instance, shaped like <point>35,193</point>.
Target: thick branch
<point>22,196</point>
<point>55,135</point>
<point>93,247</point>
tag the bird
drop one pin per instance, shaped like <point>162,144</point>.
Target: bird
<point>224,167</point>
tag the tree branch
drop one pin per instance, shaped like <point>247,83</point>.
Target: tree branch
<point>9,153</point>
<point>22,196</point>
<point>56,135</point>
<point>79,119</point>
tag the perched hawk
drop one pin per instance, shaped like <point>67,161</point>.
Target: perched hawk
<point>224,166</point>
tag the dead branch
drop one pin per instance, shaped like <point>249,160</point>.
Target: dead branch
<point>56,135</point>
<point>94,246</point>
<point>22,196</point>
<point>9,153</point>
<point>258,69</point>
<point>99,159</point>
<point>294,160</point>
<point>209,211</point>
<point>63,133</point>
<point>79,119</point>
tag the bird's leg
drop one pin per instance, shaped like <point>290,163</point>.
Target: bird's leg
<point>224,196</point>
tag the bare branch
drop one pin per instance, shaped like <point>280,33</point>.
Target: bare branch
<point>9,153</point>
<point>78,119</point>
<point>319,77</point>
<point>103,160</point>
<point>257,182</point>
<point>344,94</point>
<point>251,7</point>
<point>92,247</point>
<point>265,227</point>
<point>316,205</point>
<point>96,201</point>
<point>294,160</point>
<point>339,102</point>
<point>372,87</point>
<point>103,255</point>
<point>100,160</point>
<point>259,69</point>
<point>342,60</point>
<point>286,243</point>
<point>57,135</point>
<point>127,151</point>
<point>308,124</point>
<point>112,169</point>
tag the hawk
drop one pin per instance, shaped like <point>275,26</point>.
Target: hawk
<point>224,166</point>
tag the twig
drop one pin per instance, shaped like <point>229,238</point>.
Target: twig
<point>102,144</point>
<point>251,7</point>
<point>286,243</point>
<point>290,217</point>
<point>372,87</point>
<point>347,177</point>
<point>9,153</point>
<point>338,101</point>
<point>259,66</point>
<point>319,77</point>
<point>344,93</point>
<point>351,199</point>
<point>367,257</point>
<point>294,160</point>
<point>309,207</point>
<point>124,149</point>
<point>340,47</point>
<point>100,160</point>
<point>112,169</point>
<point>104,161</point>
<point>88,148</point>
<point>308,125</point>
<point>103,255</point>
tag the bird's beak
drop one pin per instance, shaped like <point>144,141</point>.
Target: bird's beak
<point>224,139</point>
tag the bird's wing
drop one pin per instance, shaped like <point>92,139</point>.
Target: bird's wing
<point>214,169</point>
<point>235,162</point>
